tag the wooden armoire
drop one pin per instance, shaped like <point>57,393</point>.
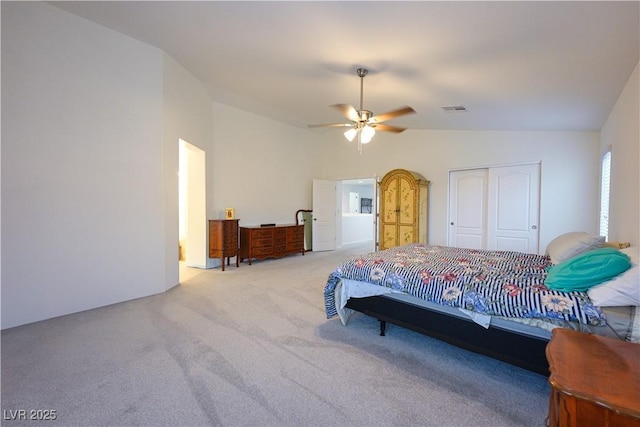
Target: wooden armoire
<point>403,209</point>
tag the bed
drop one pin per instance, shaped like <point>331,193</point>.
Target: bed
<point>497,303</point>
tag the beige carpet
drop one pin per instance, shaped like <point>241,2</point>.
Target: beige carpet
<point>251,346</point>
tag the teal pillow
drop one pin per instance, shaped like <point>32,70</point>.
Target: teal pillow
<point>586,270</point>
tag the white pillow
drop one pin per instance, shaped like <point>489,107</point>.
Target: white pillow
<point>568,245</point>
<point>622,290</point>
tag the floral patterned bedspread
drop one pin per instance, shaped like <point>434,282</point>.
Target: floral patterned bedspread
<point>496,283</point>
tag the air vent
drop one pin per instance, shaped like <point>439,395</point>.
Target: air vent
<point>455,108</point>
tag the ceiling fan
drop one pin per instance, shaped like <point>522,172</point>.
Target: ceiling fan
<point>363,122</point>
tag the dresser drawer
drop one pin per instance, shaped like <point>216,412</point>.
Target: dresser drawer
<point>261,243</point>
<point>257,252</point>
<point>266,233</point>
<point>294,247</point>
<point>231,240</point>
<point>295,239</point>
<point>295,232</point>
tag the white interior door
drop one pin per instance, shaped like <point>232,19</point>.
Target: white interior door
<point>324,215</point>
<point>467,208</point>
<point>513,208</point>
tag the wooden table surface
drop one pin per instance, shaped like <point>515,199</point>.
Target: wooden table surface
<point>598,369</point>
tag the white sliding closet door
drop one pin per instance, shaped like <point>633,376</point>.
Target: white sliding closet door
<point>495,208</point>
<point>467,208</point>
<point>513,208</point>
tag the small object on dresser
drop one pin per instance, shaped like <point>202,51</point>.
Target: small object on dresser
<point>268,225</point>
<point>229,213</point>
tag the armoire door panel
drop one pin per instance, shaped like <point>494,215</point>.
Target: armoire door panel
<point>407,213</point>
<point>406,234</point>
<point>389,236</point>
<point>389,197</point>
<point>406,201</point>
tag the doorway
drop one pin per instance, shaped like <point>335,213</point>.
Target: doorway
<point>357,213</point>
<point>192,224</point>
<point>341,217</point>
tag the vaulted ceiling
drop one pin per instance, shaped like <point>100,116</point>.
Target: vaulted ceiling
<point>540,65</point>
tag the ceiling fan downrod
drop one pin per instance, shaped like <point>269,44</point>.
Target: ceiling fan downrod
<point>364,115</point>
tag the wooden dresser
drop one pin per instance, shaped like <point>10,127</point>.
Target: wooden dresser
<point>271,242</point>
<point>223,240</point>
<point>595,380</point>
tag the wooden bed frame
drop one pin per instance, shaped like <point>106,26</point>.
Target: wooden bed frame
<point>525,351</point>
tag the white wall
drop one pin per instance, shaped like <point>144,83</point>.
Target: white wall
<point>262,168</point>
<point>570,183</point>
<point>92,120</point>
<point>357,228</point>
<point>187,115</point>
<point>82,194</point>
<point>621,132</point>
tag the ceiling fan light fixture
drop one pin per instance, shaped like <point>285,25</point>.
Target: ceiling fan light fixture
<point>350,134</point>
<point>367,134</point>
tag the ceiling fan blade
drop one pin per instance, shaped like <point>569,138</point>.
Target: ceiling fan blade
<point>348,111</point>
<point>387,128</point>
<point>391,114</point>
<point>332,125</point>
